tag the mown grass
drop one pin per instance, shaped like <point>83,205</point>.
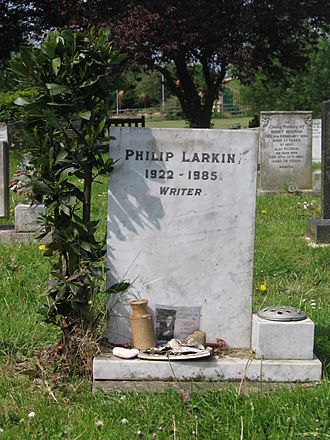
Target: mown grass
<point>294,274</point>
<point>230,122</point>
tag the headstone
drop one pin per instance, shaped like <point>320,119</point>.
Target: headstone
<point>181,225</point>
<point>319,228</point>
<point>316,140</point>
<point>4,172</point>
<point>26,217</point>
<point>285,151</point>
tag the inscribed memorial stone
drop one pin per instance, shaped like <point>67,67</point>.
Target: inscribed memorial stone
<point>181,223</point>
<point>285,151</point>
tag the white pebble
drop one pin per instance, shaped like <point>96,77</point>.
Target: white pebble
<point>125,353</point>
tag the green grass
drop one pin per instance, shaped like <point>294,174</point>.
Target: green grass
<point>294,274</point>
<point>217,123</point>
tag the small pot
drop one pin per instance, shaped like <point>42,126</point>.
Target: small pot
<point>141,325</point>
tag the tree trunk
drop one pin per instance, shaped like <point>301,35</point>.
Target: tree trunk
<point>196,107</point>
<point>200,119</point>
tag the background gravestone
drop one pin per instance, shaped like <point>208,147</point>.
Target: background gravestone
<point>181,223</point>
<point>4,172</point>
<point>319,228</point>
<point>285,151</point>
<point>316,139</point>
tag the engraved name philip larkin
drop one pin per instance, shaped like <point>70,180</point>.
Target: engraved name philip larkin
<point>184,157</point>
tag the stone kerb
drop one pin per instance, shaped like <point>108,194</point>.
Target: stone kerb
<point>285,151</point>
<point>181,224</point>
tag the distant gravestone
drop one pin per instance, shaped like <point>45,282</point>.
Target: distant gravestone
<point>181,228</point>
<point>319,228</point>
<point>285,151</point>
<point>316,139</point>
<point>4,172</point>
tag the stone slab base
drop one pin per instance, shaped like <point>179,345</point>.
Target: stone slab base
<point>318,230</point>
<point>309,192</point>
<point>8,235</point>
<point>227,368</point>
<point>188,388</point>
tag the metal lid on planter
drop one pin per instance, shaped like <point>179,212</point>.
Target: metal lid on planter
<point>281,313</point>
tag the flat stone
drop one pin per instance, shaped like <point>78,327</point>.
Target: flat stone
<point>8,235</point>
<point>188,389</point>
<point>230,368</point>
<point>282,340</point>
<point>285,151</point>
<point>181,226</point>
<point>318,230</point>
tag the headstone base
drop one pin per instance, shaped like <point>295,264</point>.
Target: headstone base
<point>234,367</point>
<point>8,235</point>
<point>308,192</point>
<point>187,389</point>
<point>318,230</point>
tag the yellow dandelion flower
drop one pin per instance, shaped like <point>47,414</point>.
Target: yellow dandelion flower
<point>262,288</point>
<point>42,247</point>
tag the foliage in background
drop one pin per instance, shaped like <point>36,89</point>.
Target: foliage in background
<point>73,74</point>
<point>249,35</point>
<point>9,111</point>
<point>296,90</point>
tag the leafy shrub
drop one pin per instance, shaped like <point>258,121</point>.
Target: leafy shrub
<point>73,74</point>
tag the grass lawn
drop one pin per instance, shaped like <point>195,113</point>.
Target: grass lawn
<point>32,407</point>
<point>231,122</point>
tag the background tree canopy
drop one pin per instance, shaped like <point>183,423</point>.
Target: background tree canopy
<point>246,37</point>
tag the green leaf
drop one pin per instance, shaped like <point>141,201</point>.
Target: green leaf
<point>65,174</point>
<point>41,187</point>
<point>19,68</point>
<point>90,82</point>
<point>56,64</point>
<point>86,246</point>
<point>119,287</point>
<point>85,115</point>
<point>56,89</point>
<point>66,210</point>
<point>61,156</point>
<point>21,101</point>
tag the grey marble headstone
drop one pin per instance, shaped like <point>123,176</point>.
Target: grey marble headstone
<point>4,172</point>
<point>285,151</point>
<point>181,223</point>
<point>316,139</point>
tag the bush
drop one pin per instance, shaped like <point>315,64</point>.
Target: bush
<point>9,111</point>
